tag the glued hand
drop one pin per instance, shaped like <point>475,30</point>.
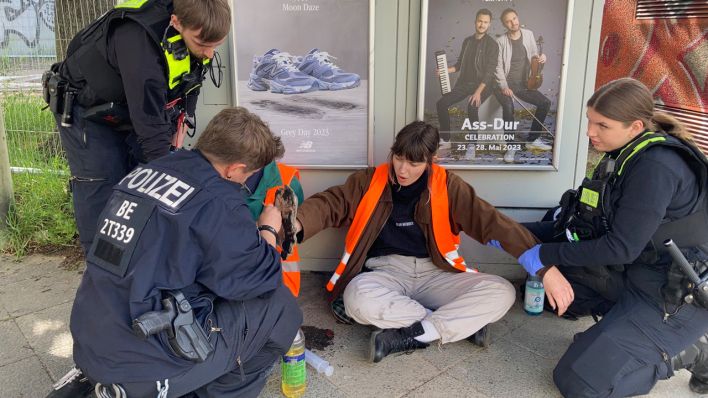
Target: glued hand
<point>558,290</point>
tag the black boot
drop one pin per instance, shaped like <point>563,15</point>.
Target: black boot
<point>388,341</point>
<point>481,338</point>
<point>695,360</point>
<point>73,385</point>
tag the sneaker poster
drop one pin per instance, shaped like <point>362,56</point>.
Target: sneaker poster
<point>490,80</point>
<point>303,67</point>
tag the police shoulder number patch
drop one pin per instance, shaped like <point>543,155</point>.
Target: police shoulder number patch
<point>118,231</point>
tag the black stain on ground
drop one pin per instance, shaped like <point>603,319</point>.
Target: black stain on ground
<point>316,338</point>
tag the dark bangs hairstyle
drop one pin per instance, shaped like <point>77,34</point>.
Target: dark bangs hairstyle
<point>416,142</point>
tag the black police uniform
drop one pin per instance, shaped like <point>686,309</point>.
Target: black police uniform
<point>119,59</point>
<point>174,223</point>
<point>631,348</point>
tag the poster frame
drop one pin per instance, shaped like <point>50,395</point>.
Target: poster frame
<point>370,94</point>
<point>555,160</point>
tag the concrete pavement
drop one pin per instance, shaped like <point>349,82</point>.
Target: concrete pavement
<point>35,347</point>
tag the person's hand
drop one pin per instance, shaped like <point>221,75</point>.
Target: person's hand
<point>531,260</point>
<point>558,290</point>
<point>507,92</point>
<point>476,99</point>
<point>298,226</point>
<point>495,243</point>
<point>271,216</point>
<point>542,59</point>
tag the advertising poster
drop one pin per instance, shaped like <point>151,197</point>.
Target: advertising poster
<point>303,67</point>
<point>490,79</point>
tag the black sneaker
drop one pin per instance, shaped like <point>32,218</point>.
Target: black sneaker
<point>699,368</point>
<point>72,385</point>
<point>481,338</point>
<point>387,341</point>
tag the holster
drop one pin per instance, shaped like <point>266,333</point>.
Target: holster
<point>53,90</point>
<point>188,339</point>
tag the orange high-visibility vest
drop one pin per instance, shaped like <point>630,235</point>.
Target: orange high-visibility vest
<point>291,265</point>
<point>446,242</point>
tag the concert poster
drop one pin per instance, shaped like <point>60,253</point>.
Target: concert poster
<point>503,61</point>
<point>303,66</point>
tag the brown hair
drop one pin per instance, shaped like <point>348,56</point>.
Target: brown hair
<point>213,17</point>
<point>626,100</point>
<point>236,135</point>
<point>507,11</point>
<point>483,11</point>
<point>416,142</point>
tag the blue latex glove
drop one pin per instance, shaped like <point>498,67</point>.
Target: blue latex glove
<point>495,243</point>
<point>531,260</point>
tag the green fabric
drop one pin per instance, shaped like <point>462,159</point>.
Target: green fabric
<point>271,178</point>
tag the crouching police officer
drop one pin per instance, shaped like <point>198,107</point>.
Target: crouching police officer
<point>650,186</point>
<point>128,89</point>
<point>183,290</point>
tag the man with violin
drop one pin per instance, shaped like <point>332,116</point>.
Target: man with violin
<point>476,64</point>
<point>518,74</point>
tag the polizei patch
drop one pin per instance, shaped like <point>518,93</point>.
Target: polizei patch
<point>165,188</point>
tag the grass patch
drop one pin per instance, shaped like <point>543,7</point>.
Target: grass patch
<point>31,137</point>
<point>41,217</point>
<point>42,214</point>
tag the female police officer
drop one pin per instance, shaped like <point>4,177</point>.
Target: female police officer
<point>651,178</point>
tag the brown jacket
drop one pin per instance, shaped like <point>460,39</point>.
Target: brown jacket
<point>336,207</point>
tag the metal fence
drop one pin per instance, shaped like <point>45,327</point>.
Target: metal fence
<point>33,35</point>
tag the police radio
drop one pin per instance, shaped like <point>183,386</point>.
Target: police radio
<point>175,45</point>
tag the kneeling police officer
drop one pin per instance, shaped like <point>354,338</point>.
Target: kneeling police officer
<point>128,89</point>
<point>650,186</point>
<point>183,290</point>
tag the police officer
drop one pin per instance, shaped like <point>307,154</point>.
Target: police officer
<point>129,83</point>
<point>181,225</point>
<point>650,185</point>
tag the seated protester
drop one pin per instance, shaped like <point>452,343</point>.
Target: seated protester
<point>262,188</point>
<point>177,235</point>
<point>608,242</point>
<point>404,220</point>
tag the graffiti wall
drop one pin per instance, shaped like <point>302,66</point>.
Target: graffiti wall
<point>27,28</point>
<point>669,55</point>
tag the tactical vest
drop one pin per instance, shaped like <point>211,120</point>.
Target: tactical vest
<point>446,242</point>
<point>87,54</point>
<point>590,212</point>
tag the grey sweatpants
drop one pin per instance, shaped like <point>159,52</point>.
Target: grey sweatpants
<point>398,290</point>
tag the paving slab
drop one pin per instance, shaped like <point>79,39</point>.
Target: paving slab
<point>507,370</point>
<point>451,387</point>
<point>317,385</point>
<point>4,315</point>
<point>24,379</point>
<point>14,347</point>
<point>353,374</point>
<point>547,335</point>
<point>28,295</point>
<point>31,267</point>
<point>48,333</point>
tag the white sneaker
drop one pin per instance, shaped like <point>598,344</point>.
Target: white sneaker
<point>538,145</point>
<point>509,156</point>
<point>445,144</point>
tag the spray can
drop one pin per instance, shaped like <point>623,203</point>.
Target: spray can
<point>534,295</point>
<point>294,371</point>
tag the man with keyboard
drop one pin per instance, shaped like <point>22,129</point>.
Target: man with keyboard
<point>476,63</point>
